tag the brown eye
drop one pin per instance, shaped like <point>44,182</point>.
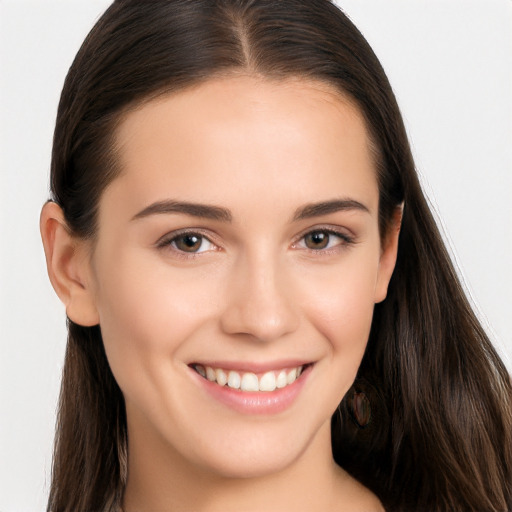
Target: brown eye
<point>317,240</point>
<point>324,239</point>
<point>191,242</point>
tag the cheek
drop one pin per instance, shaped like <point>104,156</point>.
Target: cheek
<point>147,311</point>
<point>341,309</point>
<point>343,298</point>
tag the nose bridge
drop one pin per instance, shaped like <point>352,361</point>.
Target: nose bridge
<point>260,303</point>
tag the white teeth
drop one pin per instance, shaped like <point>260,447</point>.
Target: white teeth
<point>210,374</point>
<point>249,382</point>
<point>222,378</point>
<point>292,375</point>
<point>281,379</point>
<point>268,382</point>
<point>234,380</point>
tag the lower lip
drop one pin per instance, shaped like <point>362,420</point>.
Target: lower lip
<point>256,402</point>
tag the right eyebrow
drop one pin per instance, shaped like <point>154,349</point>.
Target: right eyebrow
<point>204,211</point>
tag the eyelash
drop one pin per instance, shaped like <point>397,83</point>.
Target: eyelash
<point>170,241</point>
<point>345,240</point>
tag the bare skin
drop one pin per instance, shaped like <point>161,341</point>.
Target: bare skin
<point>263,281</point>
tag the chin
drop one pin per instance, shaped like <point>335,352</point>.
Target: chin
<point>258,450</point>
<point>243,463</point>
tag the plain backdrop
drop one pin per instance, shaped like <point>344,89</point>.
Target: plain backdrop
<point>451,67</point>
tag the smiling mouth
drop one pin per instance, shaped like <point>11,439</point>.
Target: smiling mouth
<point>249,381</point>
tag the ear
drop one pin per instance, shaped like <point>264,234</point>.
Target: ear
<point>68,264</point>
<point>388,255</point>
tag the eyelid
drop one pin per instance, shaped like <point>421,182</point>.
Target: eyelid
<point>347,238</point>
<point>166,240</point>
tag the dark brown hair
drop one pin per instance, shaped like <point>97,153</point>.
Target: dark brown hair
<point>440,433</point>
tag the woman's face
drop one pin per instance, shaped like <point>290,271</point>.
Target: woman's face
<point>239,243</point>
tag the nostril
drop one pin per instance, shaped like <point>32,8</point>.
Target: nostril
<point>260,321</point>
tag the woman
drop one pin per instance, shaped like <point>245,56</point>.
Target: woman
<point>262,314</point>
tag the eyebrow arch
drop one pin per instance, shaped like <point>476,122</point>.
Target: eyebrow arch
<point>194,209</point>
<point>325,207</point>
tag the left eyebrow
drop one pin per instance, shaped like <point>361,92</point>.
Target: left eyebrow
<point>325,207</point>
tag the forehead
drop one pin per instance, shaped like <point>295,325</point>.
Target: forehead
<point>248,134</point>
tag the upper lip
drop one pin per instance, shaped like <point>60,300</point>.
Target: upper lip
<point>253,366</point>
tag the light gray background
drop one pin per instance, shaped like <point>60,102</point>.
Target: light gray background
<point>450,64</point>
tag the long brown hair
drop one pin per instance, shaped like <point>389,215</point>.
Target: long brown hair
<point>440,434</point>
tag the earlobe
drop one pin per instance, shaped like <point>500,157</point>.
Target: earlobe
<point>388,255</point>
<point>68,266</point>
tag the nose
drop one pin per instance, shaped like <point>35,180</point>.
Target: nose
<point>259,300</point>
